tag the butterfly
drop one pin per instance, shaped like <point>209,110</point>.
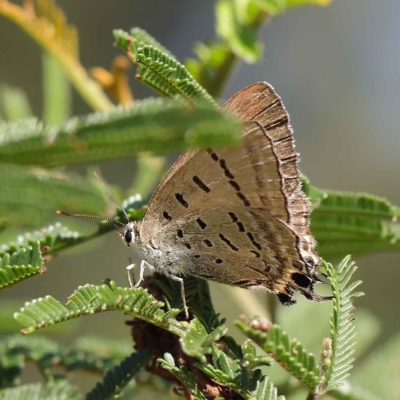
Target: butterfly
<point>234,215</point>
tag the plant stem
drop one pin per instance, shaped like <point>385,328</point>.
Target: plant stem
<point>312,396</point>
<point>217,82</point>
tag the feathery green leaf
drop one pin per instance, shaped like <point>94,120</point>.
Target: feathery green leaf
<point>159,70</point>
<point>337,358</point>
<point>21,264</point>
<point>354,223</point>
<point>118,377</point>
<point>55,237</point>
<point>149,125</point>
<point>90,299</point>
<point>290,354</point>
<point>197,343</point>
<point>186,377</point>
<point>35,391</point>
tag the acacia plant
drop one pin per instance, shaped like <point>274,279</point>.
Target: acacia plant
<point>196,359</point>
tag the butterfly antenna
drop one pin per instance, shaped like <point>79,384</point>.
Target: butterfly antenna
<point>109,192</point>
<point>89,216</point>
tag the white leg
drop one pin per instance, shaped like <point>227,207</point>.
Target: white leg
<point>143,265</point>
<point>180,280</point>
<point>131,277</point>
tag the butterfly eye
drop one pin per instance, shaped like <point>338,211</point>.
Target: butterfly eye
<point>128,237</point>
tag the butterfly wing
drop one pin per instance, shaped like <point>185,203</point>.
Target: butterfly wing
<point>239,246</point>
<point>261,173</point>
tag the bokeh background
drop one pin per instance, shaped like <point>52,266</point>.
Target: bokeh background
<point>337,70</point>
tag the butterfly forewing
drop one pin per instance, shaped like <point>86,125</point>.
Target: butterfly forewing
<point>247,176</point>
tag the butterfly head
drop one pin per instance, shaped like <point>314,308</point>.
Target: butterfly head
<point>130,233</point>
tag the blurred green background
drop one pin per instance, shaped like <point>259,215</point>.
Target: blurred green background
<point>336,69</point>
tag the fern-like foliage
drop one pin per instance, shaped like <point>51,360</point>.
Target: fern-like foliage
<point>90,299</point>
<point>355,223</point>
<point>338,352</point>
<point>149,125</point>
<point>54,238</point>
<point>159,69</point>
<point>35,391</point>
<point>183,375</point>
<point>117,378</point>
<point>290,354</point>
<point>46,354</point>
<point>197,343</point>
<point>229,374</point>
<point>248,382</point>
<point>20,265</point>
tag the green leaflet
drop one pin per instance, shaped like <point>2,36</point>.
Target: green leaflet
<point>35,391</point>
<point>197,343</point>
<point>354,223</point>
<point>90,299</point>
<point>118,377</point>
<point>289,353</point>
<point>150,125</point>
<point>21,264</point>
<point>186,377</point>
<point>160,70</point>
<point>338,353</point>
<point>55,237</point>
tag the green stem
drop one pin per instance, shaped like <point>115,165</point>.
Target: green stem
<point>217,82</point>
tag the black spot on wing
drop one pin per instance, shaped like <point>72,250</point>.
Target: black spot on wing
<point>208,243</point>
<point>242,197</point>
<point>256,253</point>
<point>228,173</point>
<point>236,219</point>
<point>285,299</point>
<point>201,223</point>
<point>253,241</point>
<point>235,185</point>
<point>201,184</point>
<point>181,200</point>
<point>167,216</point>
<point>228,242</point>
<point>212,154</point>
<point>301,280</point>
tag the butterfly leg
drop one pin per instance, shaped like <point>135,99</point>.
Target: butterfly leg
<point>143,265</point>
<point>180,280</point>
<point>131,277</point>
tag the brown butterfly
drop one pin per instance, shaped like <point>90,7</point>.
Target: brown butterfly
<point>235,215</point>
